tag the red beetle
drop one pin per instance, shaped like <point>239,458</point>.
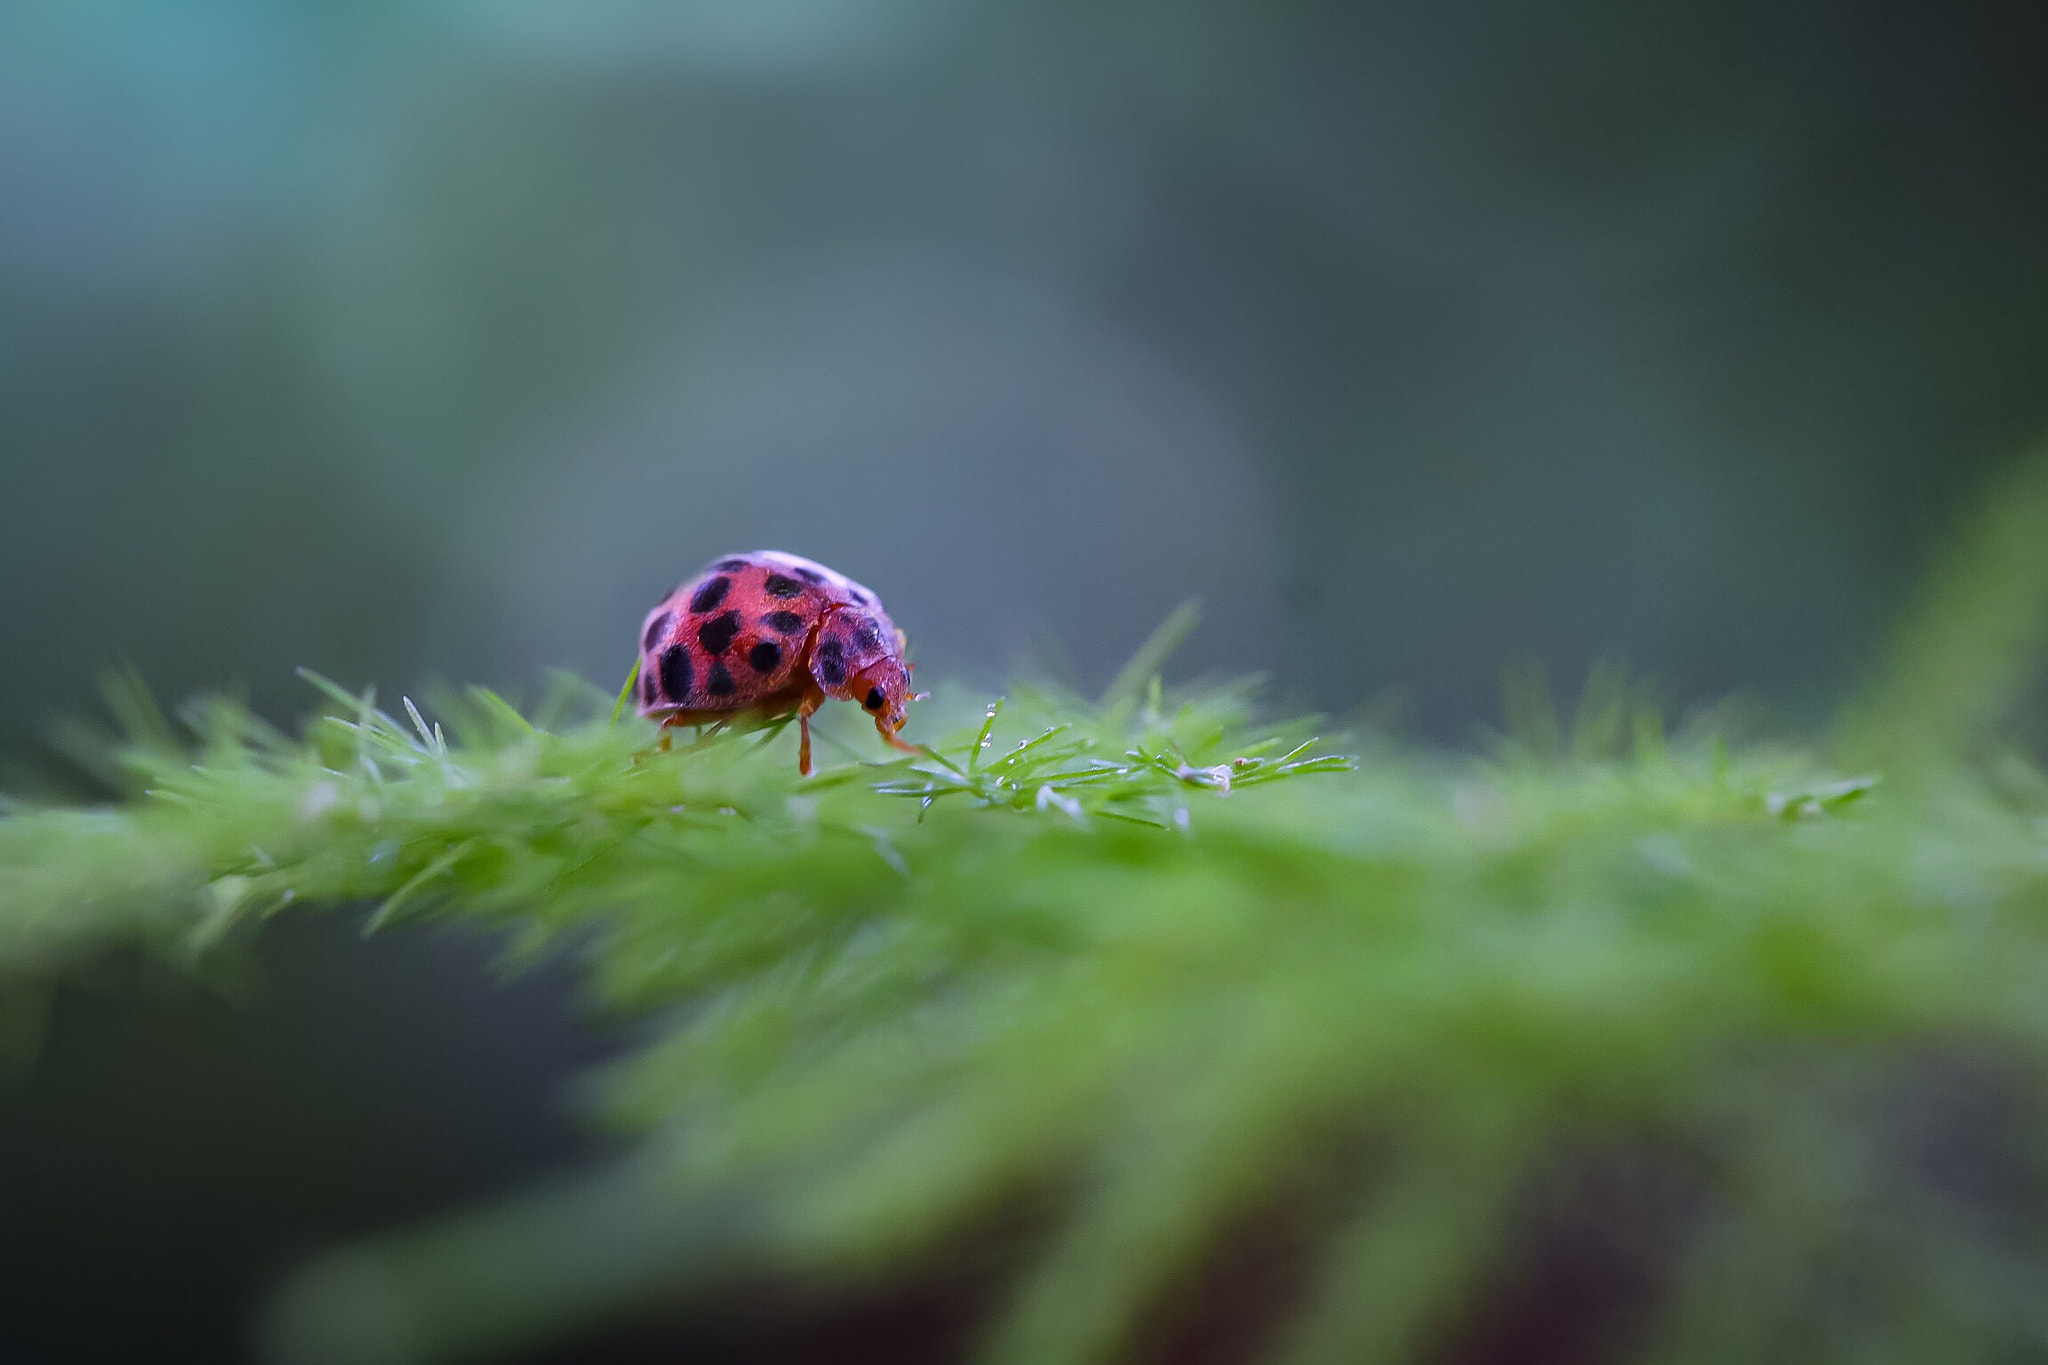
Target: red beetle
<point>772,633</point>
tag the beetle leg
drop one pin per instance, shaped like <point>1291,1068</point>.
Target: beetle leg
<point>813,699</point>
<point>662,746</point>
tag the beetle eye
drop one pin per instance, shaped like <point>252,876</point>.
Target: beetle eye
<point>874,699</point>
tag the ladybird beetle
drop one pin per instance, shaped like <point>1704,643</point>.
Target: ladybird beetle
<point>772,633</point>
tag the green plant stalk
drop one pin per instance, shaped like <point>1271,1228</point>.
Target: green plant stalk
<point>1150,961</point>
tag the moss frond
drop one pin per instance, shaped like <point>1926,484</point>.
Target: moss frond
<point>1143,963</point>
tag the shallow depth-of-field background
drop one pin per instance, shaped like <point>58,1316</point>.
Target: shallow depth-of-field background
<point>432,342</point>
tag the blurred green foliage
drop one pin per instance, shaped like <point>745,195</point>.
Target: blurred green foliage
<point>1121,979</point>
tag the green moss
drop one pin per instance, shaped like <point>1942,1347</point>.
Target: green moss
<point>1156,966</point>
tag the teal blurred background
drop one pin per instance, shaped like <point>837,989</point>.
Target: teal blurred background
<point>437,340</point>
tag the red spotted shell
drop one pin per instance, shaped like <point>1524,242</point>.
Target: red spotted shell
<point>771,633</point>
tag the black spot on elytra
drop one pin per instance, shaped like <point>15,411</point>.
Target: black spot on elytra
<point>710,595</point>
<point>675,674</point>
<point>861,597</point>
<point>657,629</point>
<point>809,575</point>
<point>874,699</point>
<point>831,670</point>
<point>765,656</point>
<point>867,636</point>
<point>717,633</point>
<point>730,565</point>
<point>719,684</point>
<point>780,585</point>
<point>832,647</point>
<point>650,689</point>
<point>788,622</point>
